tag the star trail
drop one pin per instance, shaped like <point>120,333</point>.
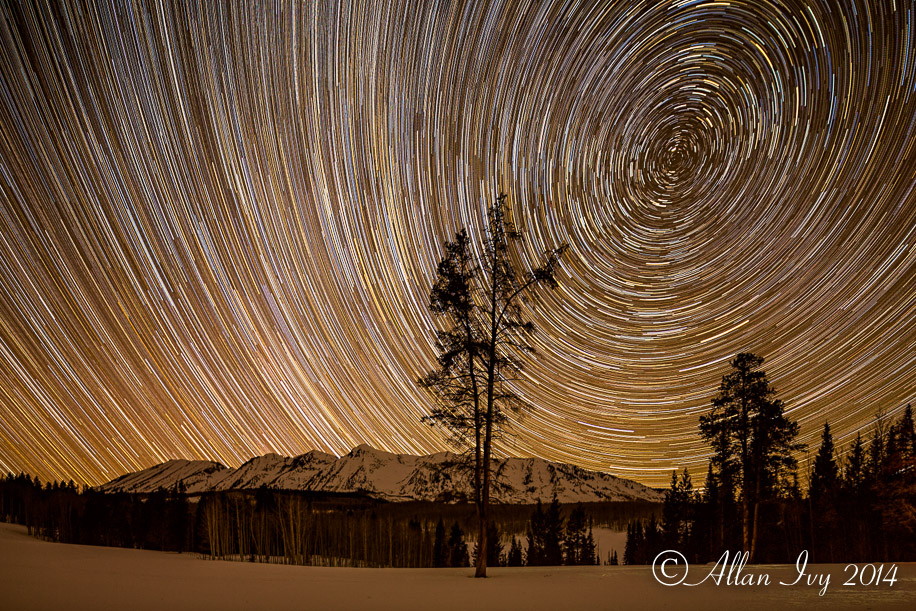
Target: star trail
<point>220,221</point>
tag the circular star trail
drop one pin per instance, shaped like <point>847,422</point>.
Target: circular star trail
<point>220,223</point>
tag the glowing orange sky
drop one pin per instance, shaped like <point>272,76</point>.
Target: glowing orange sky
<point>219,228</point>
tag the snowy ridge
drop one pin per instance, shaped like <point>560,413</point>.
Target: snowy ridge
<point>195,475</point>
<point>393,477</point>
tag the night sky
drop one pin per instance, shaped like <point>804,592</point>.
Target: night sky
<point>219,226</point>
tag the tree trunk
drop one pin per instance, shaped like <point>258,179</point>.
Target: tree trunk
<point>481,565</point>
<point>481,570</point>
<point>485,492</point>
<point>745,522</point>
<point>483,512</point>
<point>757,487</point>
<point>475,394</point>
<point>721,523</point>
<point>753,548</point>
<point>745,473</point>
<point>811,525</point>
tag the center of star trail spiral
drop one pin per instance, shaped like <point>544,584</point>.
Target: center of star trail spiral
<point>220,223</point>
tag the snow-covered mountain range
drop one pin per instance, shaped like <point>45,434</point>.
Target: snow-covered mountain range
<point>393,477</point>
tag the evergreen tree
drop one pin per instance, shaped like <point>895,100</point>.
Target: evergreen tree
<point>440,547</point>
<point>671,509</point>
<point>653,540</point>
<point>635,550</point>
<point>891,459</point>
<point>515,554</point>
<point>579,541</point>
<point>826,476</point>
<point>677,511</point>
<point>545,536</point>
<point>707,538</point>
<point>896,496</point>
<point>876,453</point>
<point>856,466</point>
<point>822,496</point>
<point>553,534</point>
<point>906,433</point>
<point>536,537</point>
<point>574,543</point>
<point>752,439</point>
<point>590,551</point>
<point>457,548</point>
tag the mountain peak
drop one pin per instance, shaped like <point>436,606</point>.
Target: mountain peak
<point>394,477</point>
<point>365,449</point>
<point>315,455</point>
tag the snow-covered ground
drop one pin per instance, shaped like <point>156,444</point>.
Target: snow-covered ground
<point>39,575</point>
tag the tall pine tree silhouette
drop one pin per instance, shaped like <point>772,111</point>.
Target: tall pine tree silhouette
<point>752,439</point>
<point>480,352</point>
<point>822,497</point>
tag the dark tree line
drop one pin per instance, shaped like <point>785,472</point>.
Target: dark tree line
<point>863,506</point>
<point>551,542</point>
<point>257,526</point>
<point>297,528</point>
<point>61,512</point>
<point>859,508</point>
<point>451,551</point>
